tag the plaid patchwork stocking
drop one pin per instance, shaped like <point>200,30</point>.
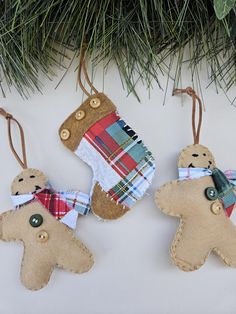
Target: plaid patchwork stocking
<point>122,166</point>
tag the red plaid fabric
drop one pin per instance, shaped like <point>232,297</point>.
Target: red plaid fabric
<point>52,201</point>
<point>100,138</point>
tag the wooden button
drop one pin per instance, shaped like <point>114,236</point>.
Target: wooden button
<point>216,208</point>
<point>79,115</point>
<point>65,134</point>
<point>42,236</point>
<point>95,102</point>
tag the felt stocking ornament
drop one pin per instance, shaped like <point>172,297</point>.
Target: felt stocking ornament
<point>203,198</point>
<point>122,166</point>
<point>43,220</point>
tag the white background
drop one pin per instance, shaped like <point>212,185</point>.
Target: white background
<point>133,273</point>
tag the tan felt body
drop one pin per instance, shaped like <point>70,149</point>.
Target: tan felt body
<point>61,249</point>
<point>200,231</point>
<point>102,205</point>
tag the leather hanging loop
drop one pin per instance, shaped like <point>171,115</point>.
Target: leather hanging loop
<point>195,98</point>
<point>82,67</point>
<point>9,117</point>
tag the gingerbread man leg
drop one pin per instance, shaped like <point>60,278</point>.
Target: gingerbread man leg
<point>36,269</point>
<point>226,246</point>
<point>190,247</point>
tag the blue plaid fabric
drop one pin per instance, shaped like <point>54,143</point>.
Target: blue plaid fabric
<point>135,184</point>
<point>77,200</point>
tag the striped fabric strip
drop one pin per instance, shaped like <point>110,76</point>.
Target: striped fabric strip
<point>193,173</point>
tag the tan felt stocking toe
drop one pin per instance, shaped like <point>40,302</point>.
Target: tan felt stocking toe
<point>104,207</point>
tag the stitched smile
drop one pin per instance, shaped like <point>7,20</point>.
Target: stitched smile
<point>37,187</point>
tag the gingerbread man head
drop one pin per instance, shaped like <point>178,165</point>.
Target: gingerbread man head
<point>28,181</point>
<point>196,156</point>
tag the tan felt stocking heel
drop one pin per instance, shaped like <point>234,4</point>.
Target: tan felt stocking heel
<point>104,207</point>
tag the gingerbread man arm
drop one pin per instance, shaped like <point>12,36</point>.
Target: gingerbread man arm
<point>170,198</point>
<point>185,198</point>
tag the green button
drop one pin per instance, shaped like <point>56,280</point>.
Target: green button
<point>211,193</point>
<point>36,220</point>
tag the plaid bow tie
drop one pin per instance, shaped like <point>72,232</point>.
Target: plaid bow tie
<point>63,205</point>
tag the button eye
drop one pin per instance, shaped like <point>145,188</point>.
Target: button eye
<point>36,220</point>
<point>32,177</point>
<point>204,154</point>
<point>195,155</point>
<point>211,193</point>
<point>21,179</point>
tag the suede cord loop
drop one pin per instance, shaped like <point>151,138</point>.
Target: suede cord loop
<point>191,92</point>
<point>10,118</point>
<point>82,67</point>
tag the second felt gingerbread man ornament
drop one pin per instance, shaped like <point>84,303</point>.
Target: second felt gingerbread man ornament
<point>203,198</point>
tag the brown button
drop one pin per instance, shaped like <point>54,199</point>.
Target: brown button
<point>216,208</point>
<point>95,102</point>
<point>42,236</point>
<point>65,134</point>
<point>79,115</point>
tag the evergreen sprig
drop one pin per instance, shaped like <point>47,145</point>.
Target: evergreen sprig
<point>141,36</point>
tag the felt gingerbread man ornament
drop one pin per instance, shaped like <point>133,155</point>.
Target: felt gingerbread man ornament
<point>122,166</point>
<point>203,198</point>
<point>43,220</point>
